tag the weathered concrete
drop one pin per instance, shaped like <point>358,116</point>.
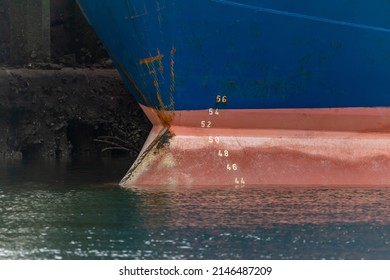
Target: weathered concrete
<point>30,31</point>
<point>57,28</point>
<point>5,32</point>
<point>57,113</point>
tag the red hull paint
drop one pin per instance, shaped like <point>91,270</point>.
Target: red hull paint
<point>327,147</point>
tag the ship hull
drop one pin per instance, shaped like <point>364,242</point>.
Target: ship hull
<point>295,92</point>
<point>180,55</point>
<point>267,148</point>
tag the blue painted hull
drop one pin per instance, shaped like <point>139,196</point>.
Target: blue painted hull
<point>180,55</point>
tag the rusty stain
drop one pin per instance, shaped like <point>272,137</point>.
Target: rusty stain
<point>173,85</point>
<point>151,59</point>
<point>165,118</point>
<point>149,62</point>
<point>164,112</point>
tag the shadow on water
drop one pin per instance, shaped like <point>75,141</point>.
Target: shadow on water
<point>66,173</point>
<point>76,210</point>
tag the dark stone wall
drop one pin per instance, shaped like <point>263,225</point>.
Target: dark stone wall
<point>69,103</point>
<point>5,32</point>
<point>68,112</point>
<point>72,42</point>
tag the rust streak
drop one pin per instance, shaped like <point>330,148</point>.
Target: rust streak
<point>165,119</point>
<point>152,59</point>
<point>173,85</point>
<point>153,64</point>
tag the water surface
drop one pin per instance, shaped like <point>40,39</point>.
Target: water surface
<point>75,210</point>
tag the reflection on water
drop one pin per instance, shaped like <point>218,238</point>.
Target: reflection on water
<point>76,211</point>
<point>253,206</point>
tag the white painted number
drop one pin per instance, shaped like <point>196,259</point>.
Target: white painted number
<point>213,139</point>
<point>220,98</point>
<point>213,112</point>
<point>231,167</point>
<point>224,153</point>
<point>239,181</point>
<point>205,124</point>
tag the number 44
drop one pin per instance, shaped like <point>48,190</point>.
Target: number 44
<point>239,181</point>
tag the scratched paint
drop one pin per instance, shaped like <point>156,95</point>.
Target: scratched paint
<point>173,84</point>
<point>301,16</point>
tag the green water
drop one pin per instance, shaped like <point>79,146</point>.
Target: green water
<point>75,210</point>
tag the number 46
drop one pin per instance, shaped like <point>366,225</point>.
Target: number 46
<point>231,166</point>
